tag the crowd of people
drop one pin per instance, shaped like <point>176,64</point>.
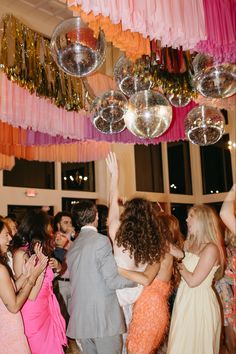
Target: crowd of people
<point>108,285</point>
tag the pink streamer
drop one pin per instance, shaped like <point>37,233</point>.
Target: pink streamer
<point>175,23</point>
<point>220,18</point>
<point>19,108</point>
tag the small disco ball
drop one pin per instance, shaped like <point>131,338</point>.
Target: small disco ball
<point>110,106</point>
<point>178,100</point>
<point>149,114</point>
<point>75,49</point>
<point>214,81</point>
<point>129,78</point>
<point>204,125</point>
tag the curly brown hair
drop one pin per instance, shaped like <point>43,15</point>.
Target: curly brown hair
<point>169,226</point>
<point>139,232</point>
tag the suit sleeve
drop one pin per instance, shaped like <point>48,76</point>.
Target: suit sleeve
<point>108,266</point>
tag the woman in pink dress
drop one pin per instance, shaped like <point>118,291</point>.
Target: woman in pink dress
<point>13,339</point>
<point>43,322</point>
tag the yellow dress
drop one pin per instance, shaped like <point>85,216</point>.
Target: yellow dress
<point>196,320</point>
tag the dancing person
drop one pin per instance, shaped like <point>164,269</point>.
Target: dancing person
<point>226,288</point>
<point>96,320</point>
<point>13,295</point>
<point>196,319</point>
<point>43,322</point>
<point>64,234</point>
<point>140,239</point>
<point>227,212</point>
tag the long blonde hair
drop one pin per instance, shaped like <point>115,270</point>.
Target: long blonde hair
<point>208,230</point>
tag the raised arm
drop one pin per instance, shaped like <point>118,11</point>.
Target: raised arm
<point>114,214</point>
<point>143,278</point>
<point>227,212</point>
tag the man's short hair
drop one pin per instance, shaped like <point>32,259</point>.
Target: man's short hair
<point>57,218</point>
<point>84,212</point>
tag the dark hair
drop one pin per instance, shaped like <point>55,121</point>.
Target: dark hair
<point>84,213</point>
<point>34,228</point>
<point>139,232</point>
<point>58,217</point>
<point>3,257</point>
<point>102,218</point>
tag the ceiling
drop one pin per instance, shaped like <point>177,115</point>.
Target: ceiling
<point>40,15</point>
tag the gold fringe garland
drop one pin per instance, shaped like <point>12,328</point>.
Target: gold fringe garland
<point>26,59</point>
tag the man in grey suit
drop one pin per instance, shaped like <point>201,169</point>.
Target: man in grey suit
<point>97,320</point>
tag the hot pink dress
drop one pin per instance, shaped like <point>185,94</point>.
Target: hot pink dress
<point>44,324</point>
<point>13,339</point>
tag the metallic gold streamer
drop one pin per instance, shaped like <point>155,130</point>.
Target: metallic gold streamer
<point>26,59</point>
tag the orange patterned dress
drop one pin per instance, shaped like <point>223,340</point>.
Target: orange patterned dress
<point>150,318</point>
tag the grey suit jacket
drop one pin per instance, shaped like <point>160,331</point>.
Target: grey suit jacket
<point>95,311</point>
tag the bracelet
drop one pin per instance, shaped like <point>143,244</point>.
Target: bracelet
<point>180,259</point>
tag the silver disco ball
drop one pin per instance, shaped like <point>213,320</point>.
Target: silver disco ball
<point>149,114</point>
<point>130,77</point>
<point>110,106</point>
<point>204,125</point>
<point>214,81</point>
<point>75,49</point>
<point>178,100</point>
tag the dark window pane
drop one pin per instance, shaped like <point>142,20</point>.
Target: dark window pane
<point>148,168</point>
<point>216,206</point>
<point>216,167</point>
<point>33,174</point>
<point>67,203</point>
<point>179,168</point>
<point>20,210</point>
<point>180,211</point>
<point>78,176</point>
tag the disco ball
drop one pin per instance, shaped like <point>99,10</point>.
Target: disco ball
<point>204,125</point>
<point>111,106</point>
<point>75,49</point>
<point>131,77</point>
<point>215,81</point>
<point>178,100</point>
<point>149,114</point>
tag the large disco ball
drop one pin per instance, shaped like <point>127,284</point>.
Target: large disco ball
<point>149,114</point>
<point>178,100</point>
<point>215,81</point>
<point>132,77</point>
<point>204,125</point>
<point>75,49</point>
<point>111,106</point>
<point>108,112</point>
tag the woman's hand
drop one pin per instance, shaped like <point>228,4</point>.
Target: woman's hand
<point>112,165</point>
<point>28,266</point>
<point>55,264</point>
<point>176,252</point>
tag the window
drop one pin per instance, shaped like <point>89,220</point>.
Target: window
<point>179,168</point>
<point>216,167</point>
<point>67,203</point>
<point>18,211</point>
<point>32,174</point>
<point>148,168</point>
<point>78,176</point>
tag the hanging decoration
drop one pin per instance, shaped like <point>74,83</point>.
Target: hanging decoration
<point>204,125</point>
<point>6,162</point>
<point>220,18</point>
<point>75,49</point>
<point>214,81</point>
<point>220,103</point>
<point>25,57</point>
<point>149,114</point>
<point>132,77</point>
<point>108,111</point>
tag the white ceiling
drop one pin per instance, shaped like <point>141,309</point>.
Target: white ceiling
<point>40,15</point>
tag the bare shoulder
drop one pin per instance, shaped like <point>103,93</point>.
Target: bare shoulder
<point>20,253</point>
<point>210,250</point>
<point>3,271</point>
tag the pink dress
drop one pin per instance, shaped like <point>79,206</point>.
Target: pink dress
<point>44,324</point>
<point>13,339</point>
